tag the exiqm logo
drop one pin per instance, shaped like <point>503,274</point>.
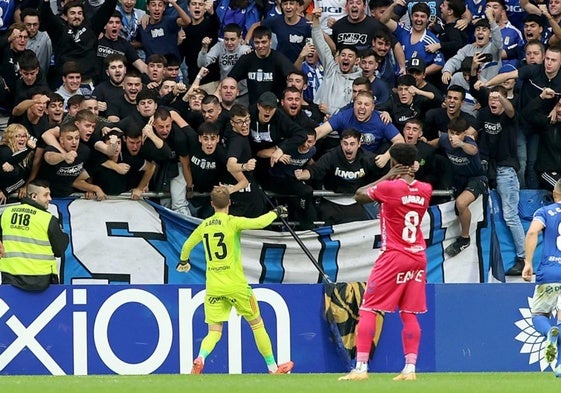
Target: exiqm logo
<point>86,330</point>
<point>533,343</point>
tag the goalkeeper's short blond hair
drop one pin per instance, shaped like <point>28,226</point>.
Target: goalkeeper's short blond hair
<point>220,197</point>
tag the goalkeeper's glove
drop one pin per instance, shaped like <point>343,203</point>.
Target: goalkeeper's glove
<point>281,210</point>
<point>183,266</point>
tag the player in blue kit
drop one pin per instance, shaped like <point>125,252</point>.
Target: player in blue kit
<point>548,274</point>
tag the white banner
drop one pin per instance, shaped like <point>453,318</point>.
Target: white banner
<point>138,242</point>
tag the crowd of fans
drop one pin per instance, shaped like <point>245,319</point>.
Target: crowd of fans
<point>177,96</point>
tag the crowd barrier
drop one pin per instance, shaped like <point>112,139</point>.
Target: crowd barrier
<point>145,329</point>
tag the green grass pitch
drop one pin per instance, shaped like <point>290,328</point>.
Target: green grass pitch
<point>294,383</point>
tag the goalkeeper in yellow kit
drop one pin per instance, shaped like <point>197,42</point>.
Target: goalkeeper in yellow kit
<point>226,284</point>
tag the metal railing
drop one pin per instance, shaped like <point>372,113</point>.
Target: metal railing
<point>317,193</point>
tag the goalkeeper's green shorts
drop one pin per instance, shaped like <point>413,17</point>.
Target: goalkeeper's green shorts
<point>217,308</point>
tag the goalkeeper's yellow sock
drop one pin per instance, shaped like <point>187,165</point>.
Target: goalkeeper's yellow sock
<point>264,345</point>
<point>209,342</point>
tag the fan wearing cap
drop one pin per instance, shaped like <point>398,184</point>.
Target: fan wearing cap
<point>416,37</point>
<point>273,135</point>
<point>488,40</point>
<point>509,84</point>
<point>512,37</point>
<point>416,68</point>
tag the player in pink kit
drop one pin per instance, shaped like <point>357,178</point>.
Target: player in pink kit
<point>398,277</point>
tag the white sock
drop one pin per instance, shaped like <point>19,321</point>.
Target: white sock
<point>409,368</point>
<point>361,366</point>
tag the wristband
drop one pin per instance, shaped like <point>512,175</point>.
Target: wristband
<point>242,167</point>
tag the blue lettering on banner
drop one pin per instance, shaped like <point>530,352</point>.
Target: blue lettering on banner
<point>436,237</point>
<point>377,242</point>
<point>271,262</point>
<point>143,234</point>
<point>329,252</point>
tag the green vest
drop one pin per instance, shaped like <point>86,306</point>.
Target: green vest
<point>26,241</point>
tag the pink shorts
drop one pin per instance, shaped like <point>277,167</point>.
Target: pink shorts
<point>398,281</point>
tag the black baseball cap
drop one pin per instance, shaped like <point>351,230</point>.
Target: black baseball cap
<point>416,64</point>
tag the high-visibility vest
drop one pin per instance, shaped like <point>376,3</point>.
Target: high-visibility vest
<point>26,242</point>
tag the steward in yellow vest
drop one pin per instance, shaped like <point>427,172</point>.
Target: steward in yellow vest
<point>31,239</point>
